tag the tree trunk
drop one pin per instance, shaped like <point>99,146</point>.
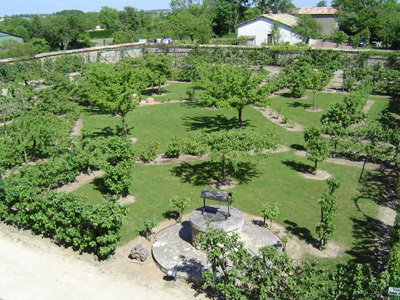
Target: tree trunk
<point>124,125</point>
<point>315,166</point>
<point>223,171</point>
<point>240,117</point>
<point>34,150</point>
<point>313,101</point>
<point>363,168</point>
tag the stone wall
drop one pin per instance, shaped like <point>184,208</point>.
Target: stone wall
<point>114,53</point>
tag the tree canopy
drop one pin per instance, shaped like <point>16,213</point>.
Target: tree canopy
<point>114,88</point>
<point>228,86</point>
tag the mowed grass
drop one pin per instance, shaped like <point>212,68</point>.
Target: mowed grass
<point>275,179</point>
<point>169,91</point>
<point>161,122</point>
<point>300,109</point>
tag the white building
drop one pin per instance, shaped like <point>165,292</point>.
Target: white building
<point>258,30</point>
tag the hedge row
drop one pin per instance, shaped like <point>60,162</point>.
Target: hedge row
<point>101,34</point>
<point>66,218</point>
<point>394,256</point>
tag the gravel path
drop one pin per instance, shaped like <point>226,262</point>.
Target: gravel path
<point>34,268</point>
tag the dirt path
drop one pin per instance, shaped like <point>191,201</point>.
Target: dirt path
<point>77,128</point>
<point>277,118</point>
<point>80,181</point>
<point>368,106</point>
<point>34,268</point>
<point>344,162</point>
<point>46,271</point>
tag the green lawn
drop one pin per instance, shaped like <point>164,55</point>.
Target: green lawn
<point>300,110</point>
<point>275,179</point>
<point>380,104</point>
<point>170,91</point>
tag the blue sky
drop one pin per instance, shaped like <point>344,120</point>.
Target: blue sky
<point>12,7</point>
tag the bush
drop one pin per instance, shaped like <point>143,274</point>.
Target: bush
<point>194,146</point>
<point>149,151</point>
<point>175,147</point>
<point>67,218</point>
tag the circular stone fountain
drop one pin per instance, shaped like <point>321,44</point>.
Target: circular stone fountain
<point>222,217</point>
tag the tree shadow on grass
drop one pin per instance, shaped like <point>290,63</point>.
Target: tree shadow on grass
<point>154,92</point>
<point>380,186</point>
<point>213,123</point>
<point>92,111</point>
<point>171,214</point>
<point>203,173</point>
<point>197,174</point>
<point>109,131</point>
<point>298,147</point>
<point>100,186</point>
<point>299,104</point>
<point>371,244</point>
<point>372,235</point>
<point>298,166</point>
<point>301,232</point>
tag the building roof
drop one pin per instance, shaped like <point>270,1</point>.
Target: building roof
<point>285,19</point>
<point>326,10</point>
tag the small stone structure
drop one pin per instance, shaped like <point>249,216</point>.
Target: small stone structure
<point>218,216</point>
<point>150,100</point>
<point>139,253</point>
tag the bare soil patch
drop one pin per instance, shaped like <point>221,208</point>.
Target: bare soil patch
<point>162,102</point>
<point>279,149</point>
<point>314,110</point>
<point>80,181</point>
<point>319,175</point>
<point>344,162</point>
<point>387,215</point>
<point>277,118</point>
<point>296,248</point>
<point>229,184</point>
<point>125,200</point>
<point>368,106</point>
<point>162,159</point>
<point>77,128</point>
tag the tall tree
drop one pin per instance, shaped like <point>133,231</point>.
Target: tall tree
<point>307,28</point>
<point>228,86</point>
<point>114,88</point>
<point>230,147</point>
<point>192,22</point>
<point>228,13</point>
<point>326,226</point>
<point>317,146</point>
<point>275,6</point>
<point>108,17</point>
